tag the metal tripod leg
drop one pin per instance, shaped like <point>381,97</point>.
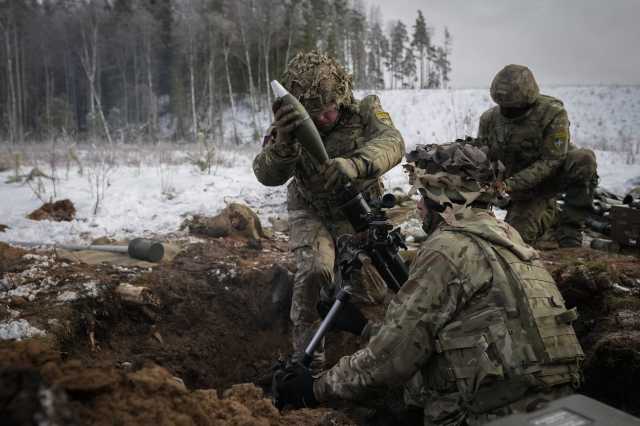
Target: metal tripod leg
<point>342,296</point>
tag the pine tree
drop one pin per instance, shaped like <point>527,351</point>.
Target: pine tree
<point>446,54</point>
<point>378,45</point>
<point>422,43</point>
<point>408,69</point>
<point>337,26</point>
<point>357,36</point>
<point>399,37</point>
<point>123,64</point>
<point>434,77</point>
<point>442,60</point>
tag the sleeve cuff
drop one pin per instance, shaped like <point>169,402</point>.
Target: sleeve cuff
<point>319,387</point>
<point>508,184</point>
<point>361,167</point>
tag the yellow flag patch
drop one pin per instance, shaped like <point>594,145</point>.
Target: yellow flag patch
<point>560,136</point>
<point>384,117</point>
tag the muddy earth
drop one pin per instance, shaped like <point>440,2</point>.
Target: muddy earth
<point>198,348</point>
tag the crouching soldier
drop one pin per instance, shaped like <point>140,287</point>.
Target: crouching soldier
<point>529,133</point>
<point>479,329</point>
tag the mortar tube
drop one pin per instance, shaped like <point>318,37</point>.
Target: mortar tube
<point>306,133</point>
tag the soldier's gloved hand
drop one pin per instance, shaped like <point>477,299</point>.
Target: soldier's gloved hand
<point>501,187</point>
<point>502,199</point>
<point>349,318</point>
<point>286,120</point>
<point>293,386</point>
<point>339,170</point>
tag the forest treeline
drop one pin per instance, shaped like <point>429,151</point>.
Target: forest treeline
<point>142,69</point>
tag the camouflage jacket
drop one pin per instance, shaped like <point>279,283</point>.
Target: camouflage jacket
<point>531,147</point>
<point>466,325</point>
<point>364,133</point>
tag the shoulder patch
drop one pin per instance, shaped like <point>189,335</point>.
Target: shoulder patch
<point>560,136</point>
<point>384,117</point>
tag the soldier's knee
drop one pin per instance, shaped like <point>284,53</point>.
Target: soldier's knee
<point>313,267</point>
<point>320,273</point>
<point>581,165</point>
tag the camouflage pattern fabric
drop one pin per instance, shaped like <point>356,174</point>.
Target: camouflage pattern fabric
<point>365,134</point>
<point>316,80</point>
<point>453,173</point>
<point>445,331</point>
<point>540,162</point>
<point>514,87</point>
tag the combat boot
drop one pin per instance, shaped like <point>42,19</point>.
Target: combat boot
<point>571,222</point>
<point>569,236</point>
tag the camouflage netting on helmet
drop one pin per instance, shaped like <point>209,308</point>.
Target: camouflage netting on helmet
<point>514,87</point>
<point>317,79</point>
<point>456,173</point>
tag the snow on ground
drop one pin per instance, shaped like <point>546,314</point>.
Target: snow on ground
<point>138,202</point>
<point>155,196</point>
<point>603,117</point>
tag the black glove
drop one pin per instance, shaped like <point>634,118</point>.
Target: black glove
<point>293,385</point>
<point>502,198</point>
<point>349,318</point>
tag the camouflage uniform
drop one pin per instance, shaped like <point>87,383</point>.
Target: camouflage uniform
<point>539,157</point>
<point>462,323</point>
<point>364,134</point>
<point>478,331</point>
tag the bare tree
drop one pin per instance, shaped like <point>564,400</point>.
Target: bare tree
<point>7,26</point>
<point>229,39</point>
<point>89,30</point>
<point>244,14</point>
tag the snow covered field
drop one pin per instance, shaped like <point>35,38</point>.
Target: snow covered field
<point>151,192</point>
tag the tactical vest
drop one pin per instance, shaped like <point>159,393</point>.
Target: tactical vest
<point>520,340</point>
<point>307,189</point>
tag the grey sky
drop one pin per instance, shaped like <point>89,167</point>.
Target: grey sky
<point>562,41</point>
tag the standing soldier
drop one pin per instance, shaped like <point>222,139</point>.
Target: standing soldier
<point>478,331</point>
<point>362,143</point>
<point>529,133</point>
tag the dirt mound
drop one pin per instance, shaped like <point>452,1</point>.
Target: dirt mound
<point>606,291</point>
<point>59,211</point>
<point>215,321</point>
<point>10,257</point>
<point>234,220</point>
<point>218,316</point>
<point>38,388</point>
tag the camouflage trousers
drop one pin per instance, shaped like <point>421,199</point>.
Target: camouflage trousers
<point>312,242</point>
<point>535,213</point>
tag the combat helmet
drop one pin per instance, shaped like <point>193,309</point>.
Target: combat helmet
<point>514,86</point>
<point>456,174</point>
<point>317,79</point>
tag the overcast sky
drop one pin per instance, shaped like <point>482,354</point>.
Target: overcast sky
<point>562,41</point>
